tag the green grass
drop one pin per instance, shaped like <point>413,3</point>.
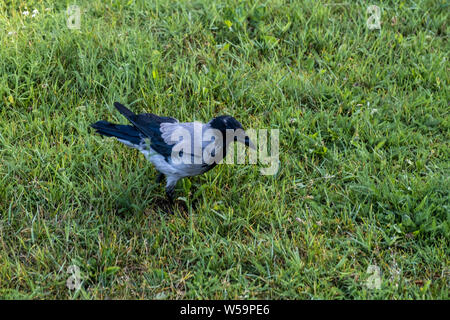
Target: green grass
<point>364,155</point>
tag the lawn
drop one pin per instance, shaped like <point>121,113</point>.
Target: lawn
<point>359,208</point>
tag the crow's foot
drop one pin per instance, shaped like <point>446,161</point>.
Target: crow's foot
<point>159,178</point>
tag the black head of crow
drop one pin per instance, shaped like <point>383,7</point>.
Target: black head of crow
<point>155,137</point>
<point>227,123</point>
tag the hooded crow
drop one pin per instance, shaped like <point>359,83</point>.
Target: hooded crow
<point>158,139</point>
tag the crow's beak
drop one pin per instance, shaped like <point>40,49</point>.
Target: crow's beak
<point>249,143</point>
<point>242,137</point>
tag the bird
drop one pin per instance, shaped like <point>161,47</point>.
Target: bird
<point>154,136</point>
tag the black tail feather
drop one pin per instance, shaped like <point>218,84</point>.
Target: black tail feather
<point>124,132</point>
<point>124,111</point>
<point>147,123</point>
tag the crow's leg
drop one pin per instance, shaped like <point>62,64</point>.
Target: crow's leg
<point>170,187</point>
<point>170,194</point>
<point>159,178</point>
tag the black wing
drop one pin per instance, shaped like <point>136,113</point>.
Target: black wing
<point>149,124</point>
